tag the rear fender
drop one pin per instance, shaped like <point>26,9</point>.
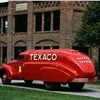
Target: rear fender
<point>9,70</point>
<point>68,69</point>
<point>52,74</point>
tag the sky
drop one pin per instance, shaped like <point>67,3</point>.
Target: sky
<point>3,1</point>
<point>47,0</point>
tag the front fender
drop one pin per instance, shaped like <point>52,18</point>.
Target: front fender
<point>9,70</point>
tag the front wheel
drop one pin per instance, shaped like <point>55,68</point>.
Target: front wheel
<point>76,86</point>
<point>5,79</point>
<point>52,85</point>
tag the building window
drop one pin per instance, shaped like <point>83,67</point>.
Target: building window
<point>21,23</point>
<point>38,21</point>
<point>37,47</point>
<point>5,24</point>
<point>56,20</point>
<point>18,50</point>
<point>4,54</point>
<point>55,47</point>
<point>45,21</point>
<point>46,47</point>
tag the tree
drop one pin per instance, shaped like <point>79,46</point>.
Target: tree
<point>89,32</point>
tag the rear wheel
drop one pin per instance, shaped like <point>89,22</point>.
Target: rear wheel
<point>76,86</point>
<point>5,79</point>
<point>51,85</point>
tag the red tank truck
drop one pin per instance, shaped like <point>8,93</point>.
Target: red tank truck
<point>53,67</point>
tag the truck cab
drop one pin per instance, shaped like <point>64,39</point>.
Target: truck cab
<point>18,65</point>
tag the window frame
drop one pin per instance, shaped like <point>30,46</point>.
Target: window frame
<point>52,16</point>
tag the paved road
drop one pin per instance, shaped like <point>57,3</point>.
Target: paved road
<point>37,85</point>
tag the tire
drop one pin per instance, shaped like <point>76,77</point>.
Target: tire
<point>76,86</point>
<point>52,85</point>
<point>5,79</point>
<point>28,82</point>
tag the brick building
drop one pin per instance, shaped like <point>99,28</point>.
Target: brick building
<point>38,25</point>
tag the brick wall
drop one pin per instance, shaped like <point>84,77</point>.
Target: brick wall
<point>70,20</point>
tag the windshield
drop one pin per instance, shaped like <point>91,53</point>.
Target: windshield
<point>21,57</point>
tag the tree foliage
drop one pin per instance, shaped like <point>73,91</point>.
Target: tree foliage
<point>89,32</point>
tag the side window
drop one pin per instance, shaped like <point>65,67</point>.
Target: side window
<point>21,58</point>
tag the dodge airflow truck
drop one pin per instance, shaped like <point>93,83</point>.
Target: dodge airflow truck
<point>53,67</point>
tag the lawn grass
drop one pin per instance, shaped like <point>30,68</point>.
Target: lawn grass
<point>12,93</point>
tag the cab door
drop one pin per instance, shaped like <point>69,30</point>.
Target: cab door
<point>19,66</point>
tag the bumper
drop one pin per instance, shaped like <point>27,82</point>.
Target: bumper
<point>94,79</point>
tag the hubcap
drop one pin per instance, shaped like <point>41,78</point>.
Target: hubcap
<point>48,85</point>
<point>4,78</point>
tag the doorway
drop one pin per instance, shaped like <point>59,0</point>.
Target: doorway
<point>3,55</point>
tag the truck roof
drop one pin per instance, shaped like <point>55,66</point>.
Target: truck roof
<point>51,50</point>
<point>68,51</point>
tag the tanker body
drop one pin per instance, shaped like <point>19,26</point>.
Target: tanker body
<point>53,67</point>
